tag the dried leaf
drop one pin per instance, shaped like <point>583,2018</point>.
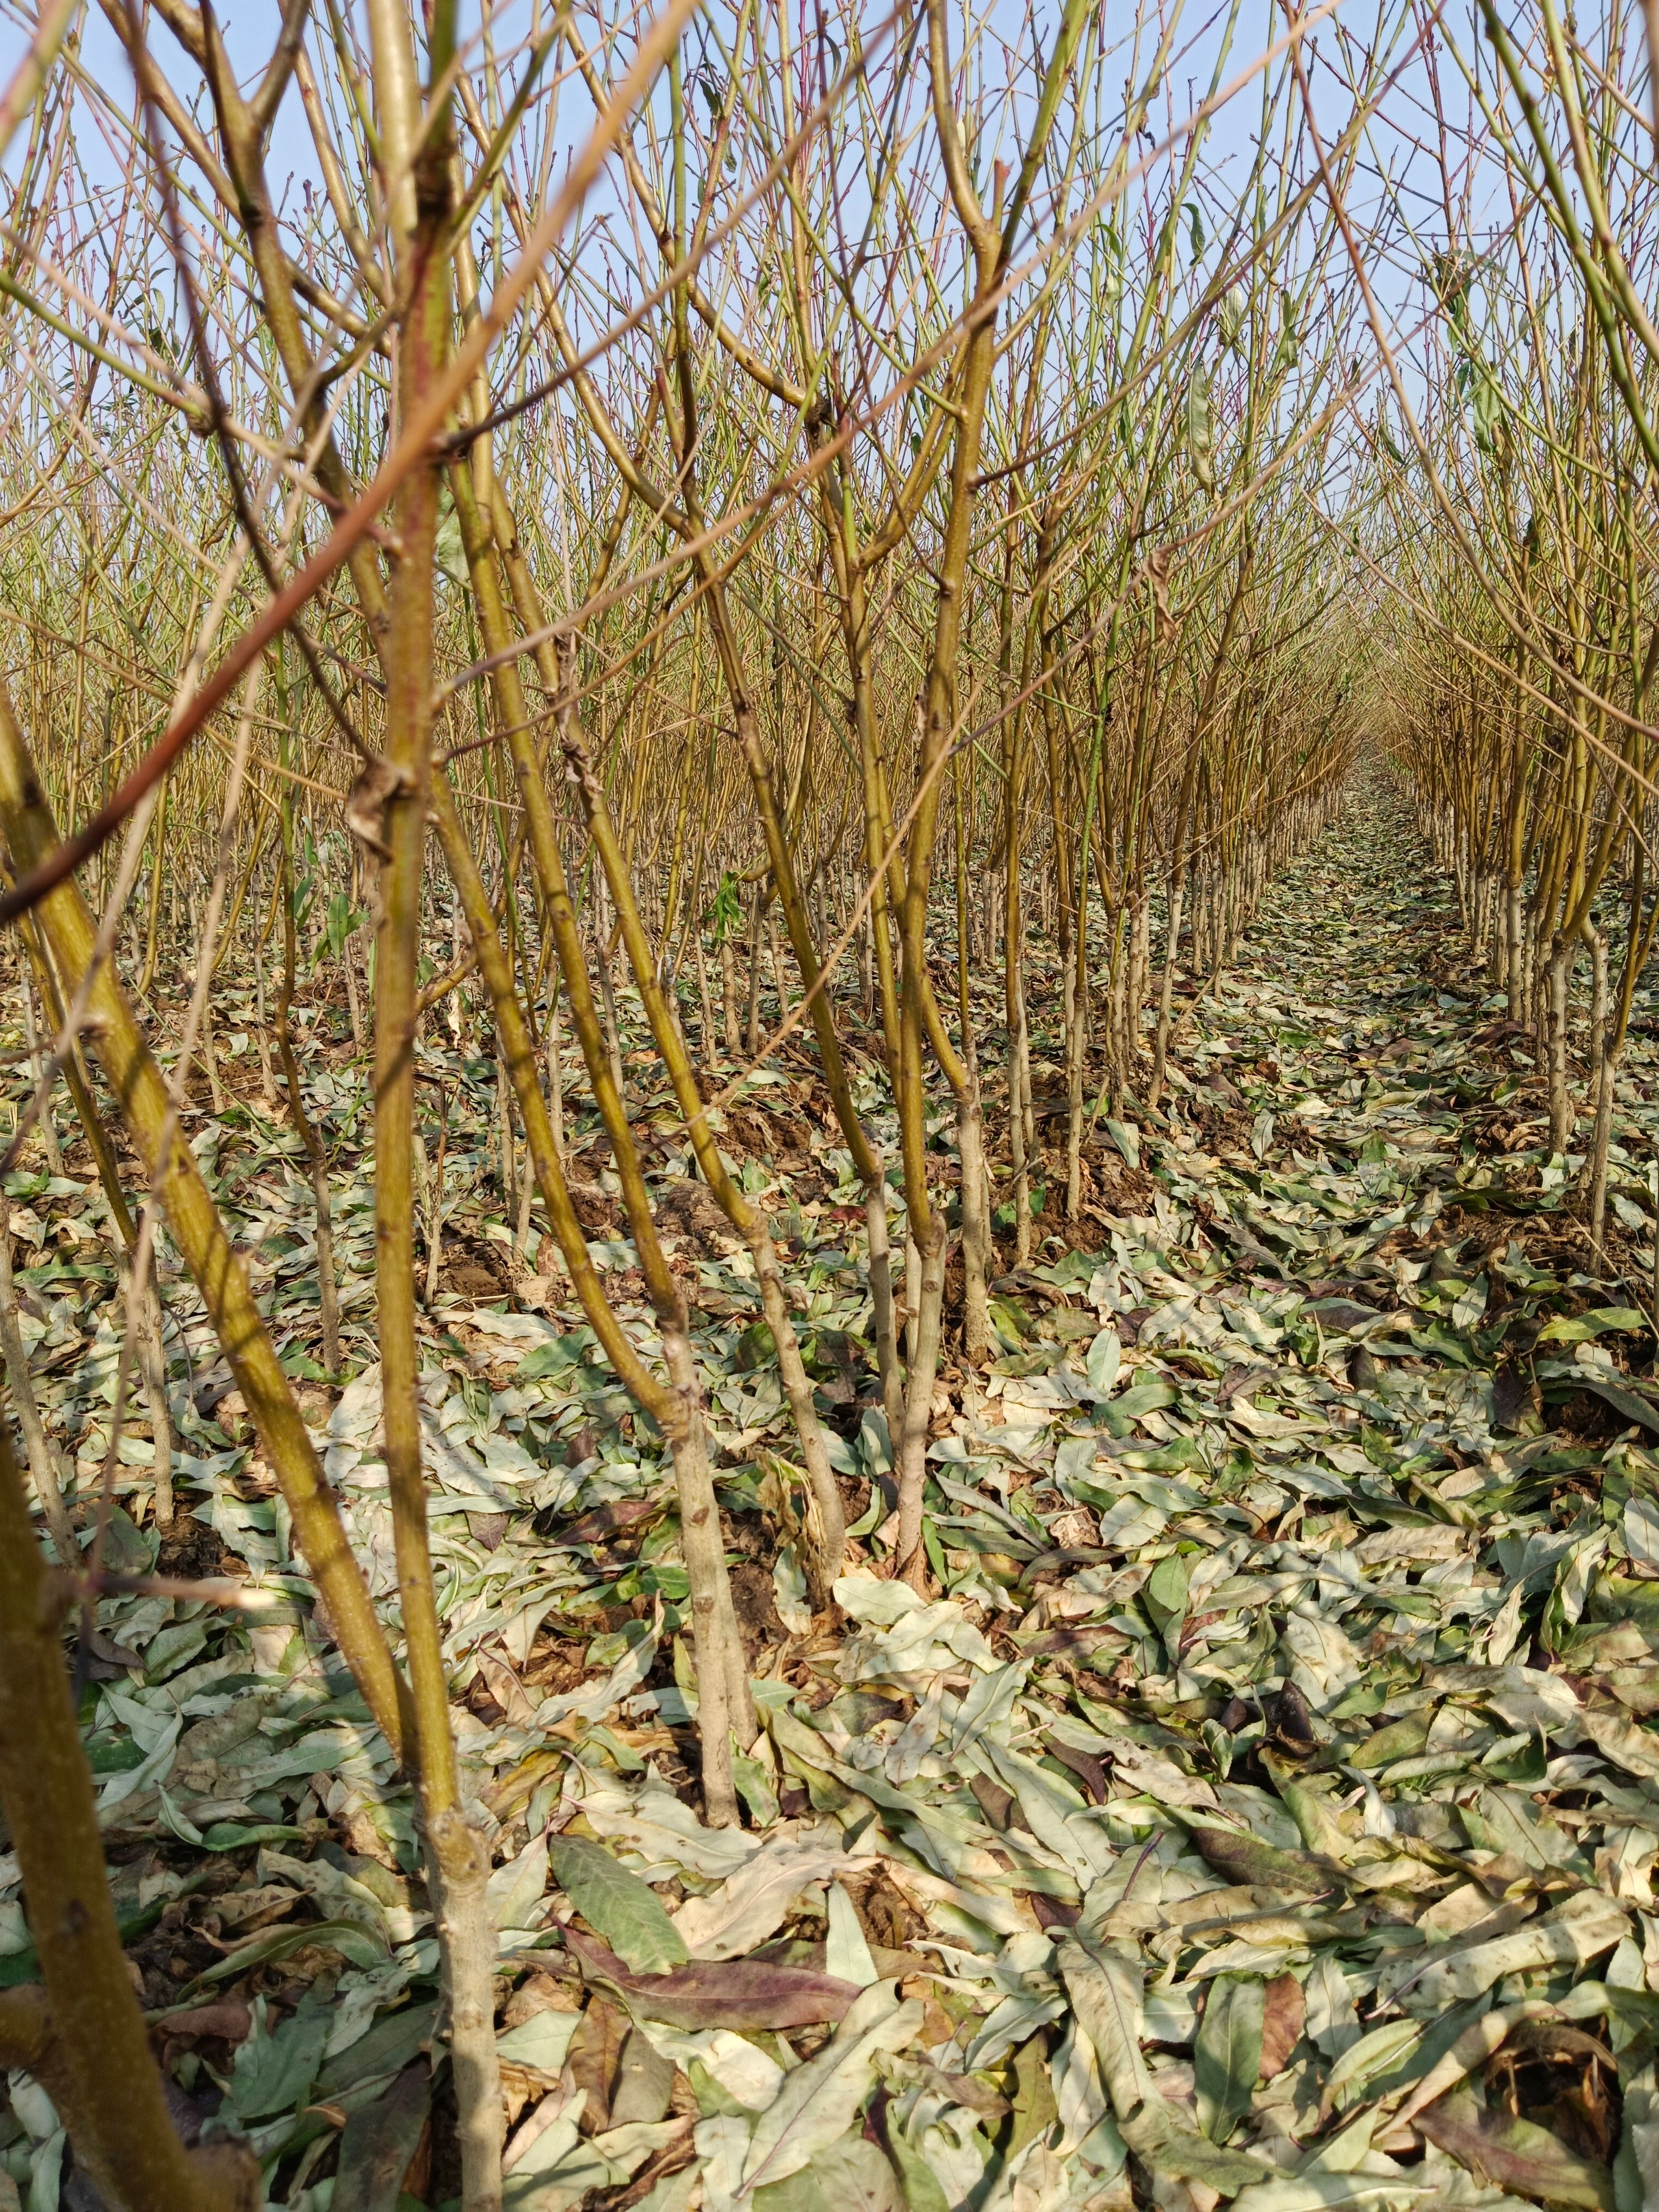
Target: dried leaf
<point>1284,2014</point>
<point>1581,1929</point>
<point>818,2101</point>
<point>377,782</point>
<point>746,1994</point>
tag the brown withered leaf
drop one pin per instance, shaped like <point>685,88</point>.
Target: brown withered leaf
<point>595,2060</point>
<point>1285,2010</point>
<point>228,2019</point>
<point>607,1520</point>
<point>736,1993</point>
<point>1087,1768</point>
<point>1158,575</point>
<point>1289,1721</point>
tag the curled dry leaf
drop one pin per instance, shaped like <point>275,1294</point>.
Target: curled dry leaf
<point>376,783</point>
<point>1158,576</point>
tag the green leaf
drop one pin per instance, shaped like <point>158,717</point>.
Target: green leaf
<point>1104,1355</point>
<point>344,921</point>
<point>1469,1306</point>
<point>232,1835</point>
<point>1377,2053</point>
<point>1034,2108</point>
<point>395,2039</point>
<point>378,2143</point>
<point>543,2041</point>
<point>726,911</point>
<point>349,1937</point>
<point>112,1754</point>
<point>1400,1740</point>
<point>1244,1858</point>
<point>1527,1766</point>
<point>923,2191</point>
<point>1190,2156</point>
<point>1488,409</point>
<point>1227,2057</point>
<point>1516,2154</point>
<point>755,1349</point>
<point>849,2175</point>
<point>1643,1411</point>
<point>617,1905</point>
<point>1146,1398</point>
<point>1011,1321</point>
<point>1107,1991</point>
<point>543,1360</point>
<point>273,2072</point>
<point>1127,1138</point>
<point>1165,1590</point>
<point>1578,1328</point>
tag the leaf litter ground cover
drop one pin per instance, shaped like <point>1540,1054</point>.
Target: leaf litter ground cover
<point>1261,1807</point>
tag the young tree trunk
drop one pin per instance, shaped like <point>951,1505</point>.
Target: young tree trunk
<point>828,1522</point>
<point>729,999</point>
<point>608,995</point>
<point>751,1032</point>
<point>1607,1057</point>
<point>705,1003</point>
<point>507,1174</point>
<point>675,1409</point>
<point>911,1458</point>
<point>354,1002</point>
<point>555,1084</point>
<point>1520,977</point>
<point>885,1320</point>
<point>1562,1112</point>
<point>328,1288</point>
<point>417,151</point>
<point>975,1226</point>
<point>153,1368</point>
<point>1166,992</point>
<point>261,1031</point>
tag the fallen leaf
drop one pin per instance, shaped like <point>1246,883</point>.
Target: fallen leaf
<point>746,1994</point>
<point>617,1905</point>
<point>1284,2013</point>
